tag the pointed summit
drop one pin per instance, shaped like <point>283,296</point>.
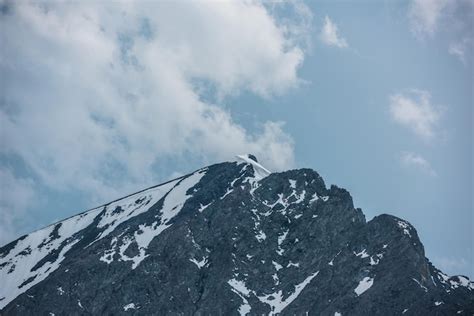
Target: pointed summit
<point>231,238</point>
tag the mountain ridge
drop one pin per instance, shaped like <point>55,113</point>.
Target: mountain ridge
<point>230,214</point>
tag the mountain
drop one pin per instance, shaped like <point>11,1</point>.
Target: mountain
<point>231,238</point>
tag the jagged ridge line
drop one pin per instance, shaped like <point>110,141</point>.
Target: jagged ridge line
<point>108,203</point>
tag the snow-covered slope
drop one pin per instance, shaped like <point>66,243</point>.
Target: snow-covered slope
<point>21,266</point>
<point>30,259</point>
<point>231,238</point>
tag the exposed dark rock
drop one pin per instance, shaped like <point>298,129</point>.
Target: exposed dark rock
<point>223,241</point>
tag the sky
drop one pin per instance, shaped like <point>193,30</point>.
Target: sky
<point>101,99</point>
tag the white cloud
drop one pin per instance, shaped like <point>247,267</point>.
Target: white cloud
<point>16,195</point>
<point>96,94</point>
<point>460,49</point>
<point>424,15</point>
<point>415,111</point>
<point>409,159</point>
<point>451,19</point>
<point>330,34</point>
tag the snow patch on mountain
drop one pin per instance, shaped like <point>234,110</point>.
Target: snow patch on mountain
<point>365,284</point>
<point>24,266</point>
<point>278,303</point>
<point>275,300</point>
<point>260,171</point>
<point>172,205</point>
<point>199,263</point>
<point>120,211</point>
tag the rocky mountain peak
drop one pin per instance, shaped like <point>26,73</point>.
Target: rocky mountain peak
<point>231,238</point>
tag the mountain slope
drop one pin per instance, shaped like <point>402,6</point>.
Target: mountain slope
<point>227,239</point>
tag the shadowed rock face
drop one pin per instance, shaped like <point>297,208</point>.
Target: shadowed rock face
<point>228,239</point>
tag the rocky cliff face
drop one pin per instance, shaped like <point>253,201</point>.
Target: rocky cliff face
<point>228,239</point>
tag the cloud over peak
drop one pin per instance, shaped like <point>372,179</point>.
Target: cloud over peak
<point>114,88</point>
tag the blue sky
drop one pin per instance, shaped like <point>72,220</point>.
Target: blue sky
<point>100,100</point>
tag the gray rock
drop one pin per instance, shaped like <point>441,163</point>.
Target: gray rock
<point>229,243</point>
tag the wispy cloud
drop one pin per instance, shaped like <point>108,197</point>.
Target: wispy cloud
<point>16,195</point>
<point>460,49</point>
<point>424,16</point>
<point>452,19</point>
<point>415,111</point>
<point>96,94</point>
<point>414,160</point>
<point>330,34</point>
<point>451,266</point>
